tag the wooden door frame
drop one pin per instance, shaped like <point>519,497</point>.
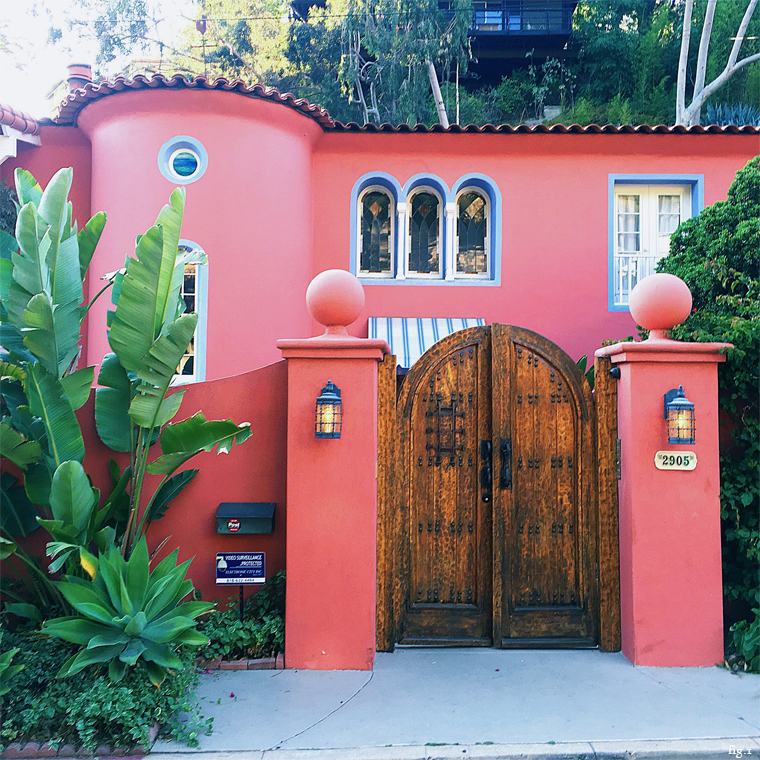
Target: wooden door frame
<point>392,512</point>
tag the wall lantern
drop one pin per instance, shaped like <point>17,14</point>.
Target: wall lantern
<point>329,413</point>
<point>679,412</point>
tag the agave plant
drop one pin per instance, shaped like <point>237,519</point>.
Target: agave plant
<point>129,614</point>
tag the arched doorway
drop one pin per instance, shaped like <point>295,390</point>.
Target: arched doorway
<point>489,527</point>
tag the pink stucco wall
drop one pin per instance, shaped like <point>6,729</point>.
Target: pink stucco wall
<point>250,212</point>
<point>555,205</point>
<point>253,471</point>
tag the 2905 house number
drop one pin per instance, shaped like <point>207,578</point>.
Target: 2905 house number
<point>675,460</point>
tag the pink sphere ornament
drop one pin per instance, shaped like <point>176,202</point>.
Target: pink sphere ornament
<point>335,299</point>
<point>659,302</point>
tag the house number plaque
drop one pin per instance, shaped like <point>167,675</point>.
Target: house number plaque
<point>675,460</point>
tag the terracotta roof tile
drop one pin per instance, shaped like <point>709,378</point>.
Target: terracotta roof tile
<point>68,111</point>
<point>18,120</point>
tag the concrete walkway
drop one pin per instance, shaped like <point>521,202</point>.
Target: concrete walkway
<point>483,703</point>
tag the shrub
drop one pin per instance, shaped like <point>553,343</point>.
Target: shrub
<point>745,645</point>
<point>88,708</point>
<point>718,255</point>
<point>261,633</point>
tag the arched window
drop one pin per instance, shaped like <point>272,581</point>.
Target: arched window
<point>425,233</point>
<point>376,215</point>
<point>472,241</point>
<point>193,291</point>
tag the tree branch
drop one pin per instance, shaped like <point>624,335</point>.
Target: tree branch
<point>716,84</point>
<point>704,46</point>
<point>683,59</point>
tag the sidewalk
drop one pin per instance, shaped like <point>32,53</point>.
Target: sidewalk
<point>482,703</point>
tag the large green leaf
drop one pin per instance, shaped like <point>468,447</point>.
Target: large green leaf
<point>72,499</point>
<point>149,408</point>
<point>17,449</point>
<point>48,401</point>
<point>170,280</point>
<point>27,187</point>
<point>87,600</point>
<point>185,439</point>
<point>30,271</point>
<point>37,481</point>
<point>76,630</point>
<point>77,386</point>
<point>18,516</point>
<point>112,402</point>
<point>6,548</point>
<point>51,332</point>
<point>88,238</point>
<point>167,492</point>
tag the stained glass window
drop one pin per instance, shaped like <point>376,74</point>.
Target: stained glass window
<point>376,235</point>
<point>424,224</point>
<point>472,220</point>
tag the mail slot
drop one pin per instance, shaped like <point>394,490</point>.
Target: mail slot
<point>245,517</point>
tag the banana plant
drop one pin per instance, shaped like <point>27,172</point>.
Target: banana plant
<point>149,334</point>
<point>129,614</point>
<point>42,272</point>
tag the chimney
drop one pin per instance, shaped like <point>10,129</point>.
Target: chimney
<point>79,75</point>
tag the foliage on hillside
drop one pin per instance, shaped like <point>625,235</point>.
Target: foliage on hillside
<point>619,66</point>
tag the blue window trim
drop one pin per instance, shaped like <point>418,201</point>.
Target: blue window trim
<point>400,194</point>
<point>491,189</point>
<point>201,329</point>
<point>697,183</point>
<point>178,143</point>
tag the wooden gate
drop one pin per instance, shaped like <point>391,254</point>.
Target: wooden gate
<point>497,497</point>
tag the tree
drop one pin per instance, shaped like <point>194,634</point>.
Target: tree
<point>688,116</point>
<point>393,47</point>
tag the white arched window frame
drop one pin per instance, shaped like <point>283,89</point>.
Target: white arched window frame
<point>194,291</point>
<point>487,274</point>
<point>410,274</point>
<point>390,273</point>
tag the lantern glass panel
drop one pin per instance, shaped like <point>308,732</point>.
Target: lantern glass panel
<point>681,427</point>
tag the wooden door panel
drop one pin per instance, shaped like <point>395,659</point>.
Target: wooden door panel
<point>544,544</point>
<point>446,408</point>
<point>514,561</point>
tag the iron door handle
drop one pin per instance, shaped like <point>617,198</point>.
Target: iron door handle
<point>505,476</point>
<point>486,477</point>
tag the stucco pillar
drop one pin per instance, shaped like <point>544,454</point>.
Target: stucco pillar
<point>332,488</point>
<point>670,544</point>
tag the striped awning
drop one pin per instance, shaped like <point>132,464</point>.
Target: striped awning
<point>410,337</point>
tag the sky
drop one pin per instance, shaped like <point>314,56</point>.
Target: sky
<point>32,67</point>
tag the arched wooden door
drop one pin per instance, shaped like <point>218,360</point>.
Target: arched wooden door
<point>494,541</point>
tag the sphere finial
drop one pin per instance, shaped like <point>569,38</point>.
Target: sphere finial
<point>659,302</point>
<point>335,299</point>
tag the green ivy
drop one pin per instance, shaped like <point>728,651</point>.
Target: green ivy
<point>718,255</point>
<point>261,633</point>
<point>88,708</point>
<point>745,645</point>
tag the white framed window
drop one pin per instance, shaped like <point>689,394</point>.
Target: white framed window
<point>424,238</point>
<point>376,245</point>
<point>472,243</point>
<point>644,218</point>
<point>194,292</point>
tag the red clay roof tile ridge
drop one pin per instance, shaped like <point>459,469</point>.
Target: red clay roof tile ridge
<point>69,108</point>
<point>18,120</point>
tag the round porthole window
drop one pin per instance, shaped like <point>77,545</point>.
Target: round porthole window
<point>182,160</point>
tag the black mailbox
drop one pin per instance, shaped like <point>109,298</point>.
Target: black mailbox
<point>245,517</point>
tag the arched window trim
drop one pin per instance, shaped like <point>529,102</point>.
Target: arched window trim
<point>358,233</point>
<point>390,184</point>
<point>201,309</point>
<point>423,188</point>
<point>487,241</point>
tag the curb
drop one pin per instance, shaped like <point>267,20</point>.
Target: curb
<point>662,749</point>
<point>261,663</point>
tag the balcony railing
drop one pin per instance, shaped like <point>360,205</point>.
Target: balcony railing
<point>629,270</point>
<point>520,17</point>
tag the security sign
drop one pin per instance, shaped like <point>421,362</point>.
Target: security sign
<point>240,568</point>
<point>233,525</point>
